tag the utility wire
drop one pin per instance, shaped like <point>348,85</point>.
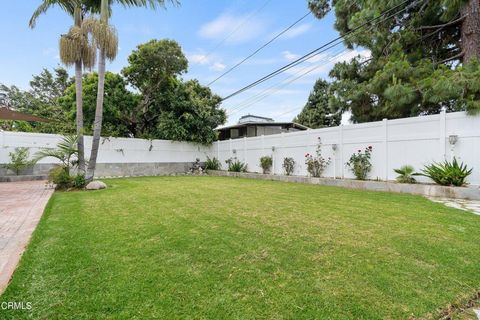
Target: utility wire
<point>301,107</point>
<point>234,30</point>
<point>261,48</point>
<point>252,100</point>
<point>313,52</point>
<point>269,92</point>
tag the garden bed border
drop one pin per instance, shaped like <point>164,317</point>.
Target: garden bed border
<point>430,190</point>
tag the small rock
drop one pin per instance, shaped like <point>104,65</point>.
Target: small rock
<point>96,185</point>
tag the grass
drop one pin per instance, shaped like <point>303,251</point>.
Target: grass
<point>229,248</point>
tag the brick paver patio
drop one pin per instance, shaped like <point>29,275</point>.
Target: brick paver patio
<point>21,206</point>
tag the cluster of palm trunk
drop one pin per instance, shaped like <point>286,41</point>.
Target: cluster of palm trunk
<point>89,35</point>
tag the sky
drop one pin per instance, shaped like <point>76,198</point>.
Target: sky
<point>214,36</point>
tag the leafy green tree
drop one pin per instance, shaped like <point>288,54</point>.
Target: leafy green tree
<point>317,112</point>
<point>408,52</point>
<point>40,100</point>
<point>170,108</point>
<point>153,69</point>
<point>119,105</point>
<point>192,114</point>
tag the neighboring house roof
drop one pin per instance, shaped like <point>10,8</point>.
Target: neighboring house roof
<point>8,114</point>
<point>262,119</point>
<point>266,124</point>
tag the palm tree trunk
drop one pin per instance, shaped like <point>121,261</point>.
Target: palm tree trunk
<point>79,101</point>
<point>97,129</point>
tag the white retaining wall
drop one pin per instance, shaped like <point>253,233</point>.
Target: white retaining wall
<point>415,141</point>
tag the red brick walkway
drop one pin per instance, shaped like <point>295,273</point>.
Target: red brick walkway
<point>21,206</point>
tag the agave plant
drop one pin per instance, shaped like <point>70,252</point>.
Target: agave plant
<point>212,164</point>
<point>235,165</point>
<point>405,174</point>
<point>447,173</point>
<point>66,151</point>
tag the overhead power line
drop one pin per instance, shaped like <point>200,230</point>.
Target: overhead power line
<point>313,52</point>
<point>301,107</point>
<point>264,94</point>
<point>261,48</point>
<point>275,88</point>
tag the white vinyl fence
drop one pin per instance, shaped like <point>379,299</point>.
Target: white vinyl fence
<point>415,141</point>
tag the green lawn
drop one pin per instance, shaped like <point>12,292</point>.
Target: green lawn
<point>229,248</point>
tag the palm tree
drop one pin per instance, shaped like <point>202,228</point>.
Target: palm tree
<point>107,43</point>
<point>75,49</point>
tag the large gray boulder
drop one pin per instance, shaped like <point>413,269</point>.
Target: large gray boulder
<point>96,185</point>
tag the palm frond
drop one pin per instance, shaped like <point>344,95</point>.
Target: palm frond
<point>68,145</point>
<point>66,5</point>
<point>152,4</point>
<point>47,153</point>
<point>65,150</point>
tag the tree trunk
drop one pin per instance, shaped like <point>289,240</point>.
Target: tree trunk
<point>79,101</point>
<point>470,34</point>
<point>97,129</point>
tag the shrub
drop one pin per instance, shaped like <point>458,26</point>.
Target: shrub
<point>405,174</point>
<point>79,181</point>
<point>316,164</point>
<point>447,173</point>
<point>288,166</point>
<point>266,163</point>
<point>235,165</point>
<point>60,177</point>
<point>212,164</point>
<point>66,151</point>
<point>359,163</point>
<point>19,160</point>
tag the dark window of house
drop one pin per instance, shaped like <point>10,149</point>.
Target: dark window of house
<point>251,132</point>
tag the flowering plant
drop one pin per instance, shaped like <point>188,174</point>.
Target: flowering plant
<point>316,164</point>
<point>360,164</point>
<point>289,165</point>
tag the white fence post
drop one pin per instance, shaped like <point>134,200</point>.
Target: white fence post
<point>385,144</point>
<point>342,165</point>
<point>245,150</point>
<point>273,159</point>
<point>443,134</point>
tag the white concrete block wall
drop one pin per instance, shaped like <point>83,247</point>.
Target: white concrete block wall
<point>416,141</point>
<point>112,150</point>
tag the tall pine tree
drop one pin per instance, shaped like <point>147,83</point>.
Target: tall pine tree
<point>422,59</point>
<point>317,113</point>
